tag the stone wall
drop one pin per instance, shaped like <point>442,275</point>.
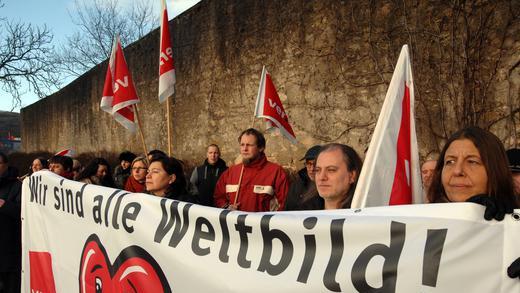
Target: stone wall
<point>331,62</point>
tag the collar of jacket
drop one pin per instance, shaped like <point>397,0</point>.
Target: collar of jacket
<point>258,162</point>
<point>219,164</point>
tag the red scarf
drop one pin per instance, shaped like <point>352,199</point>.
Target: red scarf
<point>133,185</point>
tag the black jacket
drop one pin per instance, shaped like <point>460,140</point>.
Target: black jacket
<point>10,223</point>
<point>205,178</point>
<point>299,187</point>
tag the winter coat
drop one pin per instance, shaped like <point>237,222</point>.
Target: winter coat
<point>204,178</point>
<point>263,187</point>
<point>10,223</point>
<point>299,187</point>
<point>120,176</point>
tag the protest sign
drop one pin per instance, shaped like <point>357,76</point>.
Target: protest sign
<point>83,238</point>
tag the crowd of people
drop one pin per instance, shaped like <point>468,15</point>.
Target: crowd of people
<point>472,166</point>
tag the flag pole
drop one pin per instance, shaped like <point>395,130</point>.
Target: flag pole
<point>140,129</point>
<point>169,122</point>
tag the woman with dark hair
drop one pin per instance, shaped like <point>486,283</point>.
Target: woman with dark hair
<point>61,165</point>
<point>166,178</point>
<point>473,167</point>
<point>473,162</point>
<point>38,164</point>
<point>337,170</point>
<point>97,172</point>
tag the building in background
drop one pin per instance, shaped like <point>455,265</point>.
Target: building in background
<point>10,140</point>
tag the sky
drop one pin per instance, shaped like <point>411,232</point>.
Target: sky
<point>55,15</point>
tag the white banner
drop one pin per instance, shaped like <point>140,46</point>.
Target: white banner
<point>86,238</point>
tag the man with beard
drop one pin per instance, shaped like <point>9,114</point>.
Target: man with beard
<point>205,177</point>
<point>255,185</point>
<point>10,227</point>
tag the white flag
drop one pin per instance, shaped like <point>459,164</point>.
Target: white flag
<point>391,171</point>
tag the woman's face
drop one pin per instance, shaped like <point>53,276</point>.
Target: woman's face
<point>102,171</point>
<point>464,173</point>
<point>36,165</point>
<point>139,171</point>
<point>157,179</point>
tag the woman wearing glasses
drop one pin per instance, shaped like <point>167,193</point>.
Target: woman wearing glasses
<point>136,181</point>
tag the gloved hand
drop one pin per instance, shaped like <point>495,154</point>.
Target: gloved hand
<point>513,271</point>
<point>495,209</point>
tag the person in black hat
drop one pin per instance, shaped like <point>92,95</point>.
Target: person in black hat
<point>304,181</point>
<point>513,156</point>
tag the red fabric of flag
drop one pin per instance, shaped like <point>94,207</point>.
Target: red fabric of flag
<point>269,106</point>
<point>119,94</point>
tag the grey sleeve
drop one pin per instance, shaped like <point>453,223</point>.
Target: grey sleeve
<point>194,177</point>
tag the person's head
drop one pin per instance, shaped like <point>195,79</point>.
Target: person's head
<point>165,176</point>
<point>310,160</point>
<point>76,168</point>
<point>60,164</point>
<point>125,159</point>
<point>252,145</point>
<point>139,169</point>
<point>513,156</point>
<point>473,161</point>
<point>213,154</point>
<point>154,153</point>
<point>427,169</point>
<point>337,170</point>
<point>38,164</point>
<point>97,167</point>
<point>4,163</point>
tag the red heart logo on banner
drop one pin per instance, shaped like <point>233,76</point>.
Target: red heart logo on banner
<point>134,270</point>
<point>42,276</point>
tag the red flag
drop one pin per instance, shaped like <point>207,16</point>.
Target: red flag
<point>391,171</point>
<point>66,152</point>
<point>166,65</point>
<point>119,93</point>
<point>269,106</point>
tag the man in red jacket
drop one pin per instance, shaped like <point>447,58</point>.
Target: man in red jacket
<point>261,185</point>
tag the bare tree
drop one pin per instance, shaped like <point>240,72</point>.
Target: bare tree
<point>27,60</point>
<point>99,21</point>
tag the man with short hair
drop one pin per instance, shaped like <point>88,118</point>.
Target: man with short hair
<point>261,185</point>
<point>10,227</point>
<point>205,177</point>
<point>304,180</point>
<point>337,170</point>
<point>513,156</point>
